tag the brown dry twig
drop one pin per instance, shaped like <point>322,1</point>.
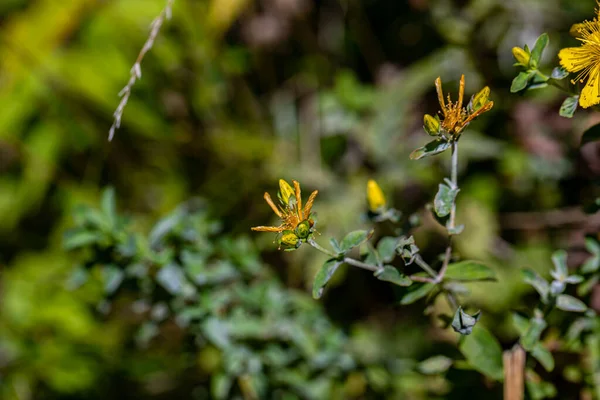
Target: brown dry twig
<point>136,70</point>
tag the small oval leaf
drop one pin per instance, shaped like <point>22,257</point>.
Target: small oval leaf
<point>469,270</point>
<point>483,352</point>
<point>430,149</point>
<point>390,274</point>
<point>416,294</point>
<point>355,238</point>
<point>570,303</point>
<point>323,276</point>
<point>444,200</point>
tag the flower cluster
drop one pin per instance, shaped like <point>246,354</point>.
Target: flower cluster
<point>297,223</point>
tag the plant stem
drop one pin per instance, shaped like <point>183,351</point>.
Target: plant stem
<point>452,220</point>
<point>421,263</point>
<point>322,249</point>
<point>554,82</point>
<point>347,260</point>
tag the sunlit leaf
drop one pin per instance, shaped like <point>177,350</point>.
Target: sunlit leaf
<point>391,274</point>
<point>469,270</point>
<point>354,239</point>
<point>430,149</point>
<point>570,303</point>
<point>444,200</point>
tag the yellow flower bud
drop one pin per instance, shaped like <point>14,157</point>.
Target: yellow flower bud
<point>303,229</point>
<point>431,125</point>
<point>480,99</point>
<point>285,192</point>
<point>289,240</point>
<point>375,196</point>
<point>521,56</point>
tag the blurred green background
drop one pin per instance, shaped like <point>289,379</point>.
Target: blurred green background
<point>234,95</point>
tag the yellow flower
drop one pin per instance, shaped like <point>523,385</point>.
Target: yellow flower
<point>295,220</point>
<point>585,60</point>
<point>375,196</point>
<point>455,116</point>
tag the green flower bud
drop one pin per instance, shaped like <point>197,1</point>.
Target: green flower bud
<point>303,229</point>
<point>521,56</point>
<point>289,240</point>
<point>285,192</point>
<point>431,125</point>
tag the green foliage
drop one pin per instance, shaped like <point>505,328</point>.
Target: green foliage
<point>483,352</point>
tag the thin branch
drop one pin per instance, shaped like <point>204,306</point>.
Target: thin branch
<point>451,222</point>
<point>136,70</point>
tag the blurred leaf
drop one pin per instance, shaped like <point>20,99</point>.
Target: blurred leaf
<point>574,279</point>
<point>164,227</point>
<point>483,352</point>
<point>469,270</point>
<point>544,356</point>
<point>80,238</point>
<point>538,48</point>
<point>587,286</point>
<point>463,323</point>
<point>335,245</point>
<point>530,339</point>
<point>444,200</point>
<point>417,293</point>
<point>354,239</point>
<point>323,276</point>
<point>217,331</point>
<point>559,259</point>
<point>540,284</point>
<point>559,73</point>
<point>113,276</point>
<point>570,303</point>
<point>591,135</point>
<point>537,388</point>
<point>520,323</point>
<point>430,149</point>
<point>386,247</point>
<point>171,278</point>
<point>435,365</point>
<point>108,205</point>
<point>220,385</point>
<point>568,107</point>
<point>390,274</point>
<point>593,263</point>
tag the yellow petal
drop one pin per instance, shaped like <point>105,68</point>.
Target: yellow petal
<point>576,30</point>
<point>590,95</point>
<point>574,59</point>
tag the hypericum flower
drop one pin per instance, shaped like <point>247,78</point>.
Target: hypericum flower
<point>296,222</point>
<point>521,56</point>
<point>585,60</point>
<point>375,197</point>
<point>455,116</point>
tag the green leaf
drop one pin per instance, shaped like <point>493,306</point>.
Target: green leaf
<point>335,245</point>
<point>544,356</point>
<point>574,279</point>
<point>531,337</point>
<point>540,284</point>
<point>323,276</point>
<point>390,274</point>
<point>355,238</point>
<point>386,247</point>
<point>559,259</point>
<point>469,270</point>
<point>430,149</point>
<point>483,352</point>
<point>559,73</point>
<point>538,48</point>
<point>520,323</point>
<point>444,200</point>
<point>568,107</point>
<point>587,286</point>
<point>171,278</point>
<point>417,293</point>
<point>78,238</point>
<point>112,277</point>
<point>570,303</point>
<point>591,135</point>
<point>520,82</point>
<point>435,365</point>
<point>108,205</point>
<point>463,323</point>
